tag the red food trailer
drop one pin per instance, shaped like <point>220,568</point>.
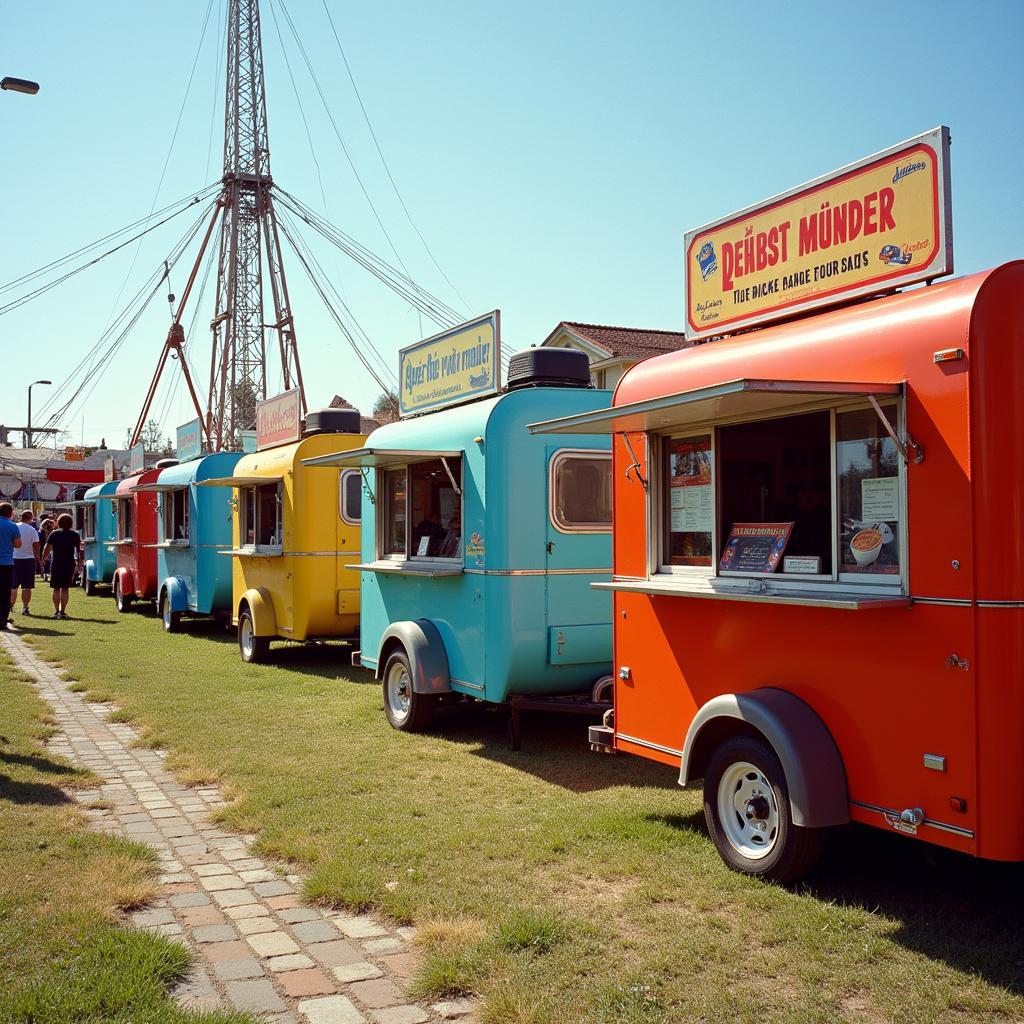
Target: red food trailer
<point>819,571</point>
<point>135,538</point>
<point>885,691</point>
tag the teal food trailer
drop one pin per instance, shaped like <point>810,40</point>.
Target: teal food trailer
<point>194,539</point>
<point>480,543</point>
<point>94,520</point>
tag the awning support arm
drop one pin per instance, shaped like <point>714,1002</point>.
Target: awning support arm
<point>366,484</point>
<point>447,469</point>
<point>636,462</point>
<point>903,446</point>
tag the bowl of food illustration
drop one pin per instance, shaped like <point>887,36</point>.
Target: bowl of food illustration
<point>867,541</point>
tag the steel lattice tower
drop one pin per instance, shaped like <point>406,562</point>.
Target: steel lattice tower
<point>249,243</point>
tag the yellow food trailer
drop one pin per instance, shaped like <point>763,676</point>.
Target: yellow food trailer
<point>295,530</point>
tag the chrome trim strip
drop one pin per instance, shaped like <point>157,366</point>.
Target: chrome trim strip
<point>1001,604</point>
<point>951,602</point>
<point>956,830</point>
<point>469,686</point>
<point>539,572</point>
<point>649,745</point>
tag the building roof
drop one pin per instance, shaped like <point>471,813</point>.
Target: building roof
<point>627,342</point>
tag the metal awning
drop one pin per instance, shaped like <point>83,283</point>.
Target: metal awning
<point>734,400</point>
<point>380,458</point>
<point>239,481</point>
<point>159,488</point>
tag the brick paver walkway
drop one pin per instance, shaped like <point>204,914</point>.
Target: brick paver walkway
<point>255,946</point>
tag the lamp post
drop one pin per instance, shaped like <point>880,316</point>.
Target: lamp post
<point>28,428</point>
<point>19,85</point>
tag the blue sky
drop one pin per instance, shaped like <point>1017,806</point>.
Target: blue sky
<point>552,154</point>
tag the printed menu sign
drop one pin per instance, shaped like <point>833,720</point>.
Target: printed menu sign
<point>755,547</point>
<point>880,499</point>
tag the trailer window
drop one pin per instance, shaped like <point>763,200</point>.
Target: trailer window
<point>124,511</point>
<point>688,502</point>
<point>88,527</point>
<point>868,469</point>
<point>436,509</point>
<point>176,515</point>
<point>394,491</point>
<point>580,492</point>
<point>350,496</point>
<point>780,471</point>
<point>422,511</point>
<point>261,518</point>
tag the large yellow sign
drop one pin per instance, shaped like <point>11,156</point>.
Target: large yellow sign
<point>871,227</point>
<point>451,367</point>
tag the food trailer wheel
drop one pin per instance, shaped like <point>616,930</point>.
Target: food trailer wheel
<point>122,600</point>
<point>88,585</point>
<point>407,710</point>
<point>252,648</point>
<point>172,619</point>
<point>746,804</point>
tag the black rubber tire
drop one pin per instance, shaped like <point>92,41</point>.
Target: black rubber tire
<point>123,602</point>
<point>88,586</point>
<point>260,644</point>
<point>421,705</point>
<point>171,620</point>
<point>796,850</point>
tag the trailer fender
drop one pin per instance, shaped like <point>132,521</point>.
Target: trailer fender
<point>261,605</point>
<point>125,580</point>
<point>177,593</point>
<point>92,572</point>
<point>814,769</point>
<point>427,655</point>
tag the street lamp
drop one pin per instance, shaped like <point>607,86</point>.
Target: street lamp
<point>19,85</point>
<point>28,428</point>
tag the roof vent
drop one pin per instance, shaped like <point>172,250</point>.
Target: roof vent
<point>549,367</point>
<point>332,421</point>
<point>166,463</point>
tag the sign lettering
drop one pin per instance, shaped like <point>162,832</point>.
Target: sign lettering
<point>451,367</point>
<point>876,225</point>
<point>279,419</point>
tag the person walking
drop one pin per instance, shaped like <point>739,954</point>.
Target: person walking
<point>65,546</point>
<point>44,535</point>
<point>26,558</point>
<point>10,541</point>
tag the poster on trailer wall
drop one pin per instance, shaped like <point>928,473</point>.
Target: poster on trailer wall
<point>870,227</point>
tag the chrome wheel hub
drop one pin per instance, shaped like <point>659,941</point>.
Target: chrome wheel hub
<point>399,692</point>
<point>247,637</point>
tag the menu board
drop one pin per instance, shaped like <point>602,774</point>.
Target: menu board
<point>691,502</point>
<point>755,547</point>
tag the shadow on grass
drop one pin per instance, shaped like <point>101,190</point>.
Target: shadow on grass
<point>39,793</point>
<point>35,761</point>
<point>946,906</point>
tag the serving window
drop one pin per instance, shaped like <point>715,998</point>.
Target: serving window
<point>421,511</point>
<point>85,521</point>
<point>815,499</point>
<point>260,517</point>
<point>350,496</point>
<point>580,491</point>
<point>124,510</point>
<point>176,518</point>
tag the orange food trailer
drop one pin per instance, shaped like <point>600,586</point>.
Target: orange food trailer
<point>819,570</point>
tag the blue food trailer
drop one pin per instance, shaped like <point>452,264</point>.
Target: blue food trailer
<point>480,543</point>
<point>193,536</point>
<point>94,520</point>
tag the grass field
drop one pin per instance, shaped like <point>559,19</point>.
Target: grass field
<point>561,885</point>
<point>63,958</point>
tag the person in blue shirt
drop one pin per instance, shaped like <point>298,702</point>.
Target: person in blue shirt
<point>10,538</point>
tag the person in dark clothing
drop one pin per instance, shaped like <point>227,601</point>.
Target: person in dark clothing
<point>10,539</point>
<point>65,545</point>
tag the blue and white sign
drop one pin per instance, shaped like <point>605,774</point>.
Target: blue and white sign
<point>190,440</point>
